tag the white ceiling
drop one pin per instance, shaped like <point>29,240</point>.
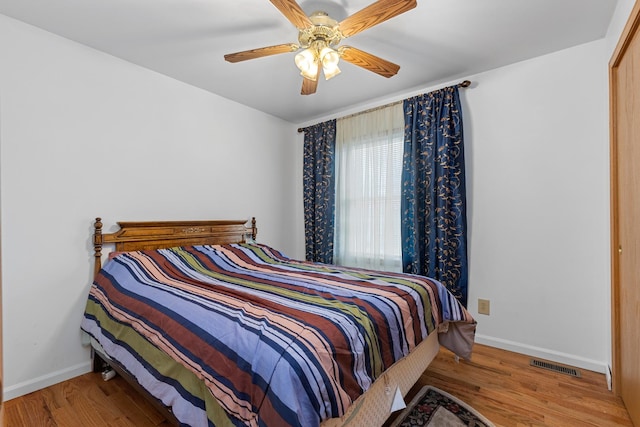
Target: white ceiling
<point>438,41</point>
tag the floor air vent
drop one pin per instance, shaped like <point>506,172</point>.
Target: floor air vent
<point>556,368</point>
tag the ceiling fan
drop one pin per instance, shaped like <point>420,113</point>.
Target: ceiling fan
<point>319,36</point>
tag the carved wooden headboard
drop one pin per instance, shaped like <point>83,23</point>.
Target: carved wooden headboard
<point>135,236</point>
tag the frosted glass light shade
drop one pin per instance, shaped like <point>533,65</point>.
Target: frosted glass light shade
<point>330,59</point>
<point>330,72</point>
<point>307,63</point>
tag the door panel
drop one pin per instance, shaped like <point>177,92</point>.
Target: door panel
<point>625,190</point>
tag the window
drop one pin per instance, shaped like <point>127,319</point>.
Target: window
<point>368,189</point>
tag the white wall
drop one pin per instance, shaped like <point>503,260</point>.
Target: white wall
<point>539,183</point>
<point>84,134</point>
<point>539,195</point>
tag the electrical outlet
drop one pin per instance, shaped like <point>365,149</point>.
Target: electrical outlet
<point>484,306</point>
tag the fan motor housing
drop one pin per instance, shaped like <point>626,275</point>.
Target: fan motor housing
<point>324,28</point>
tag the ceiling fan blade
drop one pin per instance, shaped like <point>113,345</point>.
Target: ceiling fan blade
<point>374,14</point>
<point>309,86</point>
<point>368,61</point>
<point>293,12</point>
<point>260,52</point>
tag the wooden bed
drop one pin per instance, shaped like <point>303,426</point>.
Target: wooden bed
<point>371,408</point>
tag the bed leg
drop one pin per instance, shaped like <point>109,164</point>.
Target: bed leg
<point>99,364</point>
<point>108,374</point>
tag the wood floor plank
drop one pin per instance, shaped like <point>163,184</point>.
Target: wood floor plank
<point>35,411</point>
<point>501,385</point>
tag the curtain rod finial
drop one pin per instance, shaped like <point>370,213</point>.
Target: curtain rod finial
<point>465,83</point>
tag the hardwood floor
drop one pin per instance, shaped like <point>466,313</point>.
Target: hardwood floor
<point>504,388</point>
<point>499,384</point>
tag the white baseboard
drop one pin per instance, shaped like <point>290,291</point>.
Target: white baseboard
<point>44,381</point>
<point>543,353</point>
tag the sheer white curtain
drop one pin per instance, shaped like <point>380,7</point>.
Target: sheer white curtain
<point>368,187</point>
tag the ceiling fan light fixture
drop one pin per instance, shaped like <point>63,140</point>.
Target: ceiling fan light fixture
<point>330,59</point>
<point>307,63</point>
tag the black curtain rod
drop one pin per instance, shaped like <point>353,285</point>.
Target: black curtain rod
<point>465,83</point>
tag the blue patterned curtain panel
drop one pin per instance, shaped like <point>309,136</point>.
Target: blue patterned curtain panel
<point>319,191</point>
<point>433,206</point>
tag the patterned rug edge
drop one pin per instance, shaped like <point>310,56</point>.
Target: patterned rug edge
<point>422,394</point>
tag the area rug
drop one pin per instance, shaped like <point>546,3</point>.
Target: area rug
<point>433,407</point>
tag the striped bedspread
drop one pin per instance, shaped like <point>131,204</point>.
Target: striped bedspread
<point>275,341</point>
